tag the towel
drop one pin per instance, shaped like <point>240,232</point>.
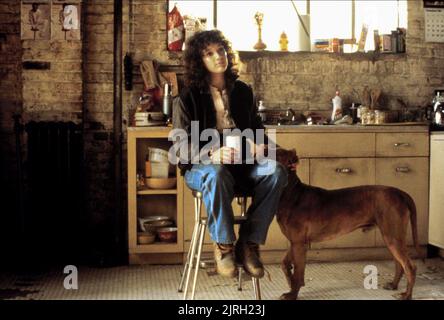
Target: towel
<point>149,74</point>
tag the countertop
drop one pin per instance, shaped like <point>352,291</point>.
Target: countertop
<point>388,127</point>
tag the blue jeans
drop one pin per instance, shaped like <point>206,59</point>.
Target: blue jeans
<point>217,184</point>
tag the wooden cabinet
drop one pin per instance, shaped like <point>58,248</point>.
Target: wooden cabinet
<point>409,175</point>
<point>393,156</point>
<point>144,202</point>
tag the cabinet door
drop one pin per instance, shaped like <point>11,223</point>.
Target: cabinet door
<point>342,173</point>
<point>409,175</point>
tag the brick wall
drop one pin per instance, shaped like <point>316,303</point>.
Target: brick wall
<point>10,103</point>
<point>307,81</point>
<point>98,117</point>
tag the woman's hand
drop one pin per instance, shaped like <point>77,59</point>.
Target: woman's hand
<point>260,151</point>
<point>225,155</point>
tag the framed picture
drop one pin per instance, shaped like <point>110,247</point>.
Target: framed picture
<point>35,20</point>
<point>66,20</point>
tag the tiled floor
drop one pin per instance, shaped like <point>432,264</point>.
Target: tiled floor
<point>331,281</point>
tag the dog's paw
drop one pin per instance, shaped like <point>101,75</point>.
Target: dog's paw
<point>289,296</point>
<point>390,286</point>
<point>403,296</point>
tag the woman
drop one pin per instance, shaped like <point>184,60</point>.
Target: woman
<point>217,100</point>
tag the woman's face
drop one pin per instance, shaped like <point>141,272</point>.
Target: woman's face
<point>214,58</point>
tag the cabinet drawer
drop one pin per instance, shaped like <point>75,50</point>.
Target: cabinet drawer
<point>343,173</point>
<point>402,144</point>
<point>324,145</point>
<point>409,175</point>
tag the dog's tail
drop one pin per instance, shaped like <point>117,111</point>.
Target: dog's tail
<point>413,221</point>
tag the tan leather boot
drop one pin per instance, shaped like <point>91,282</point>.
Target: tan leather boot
<point>224,256</point>
<point>247,253</point>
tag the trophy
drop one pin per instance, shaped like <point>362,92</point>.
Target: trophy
<point>259,45</point>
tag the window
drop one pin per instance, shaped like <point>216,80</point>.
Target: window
<point>326,19</point>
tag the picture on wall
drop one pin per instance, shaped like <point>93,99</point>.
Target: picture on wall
<point>66,20</point>
<point>35,20</point>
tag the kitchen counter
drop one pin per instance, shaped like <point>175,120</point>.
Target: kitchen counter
<point>392,127</point>
<point>389,127</point>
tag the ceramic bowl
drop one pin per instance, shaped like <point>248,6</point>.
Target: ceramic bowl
<point>153,226</point>
<point>167,234</point>
<point>160,183</point>
<point>145,237</point>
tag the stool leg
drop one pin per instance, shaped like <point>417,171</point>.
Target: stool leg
<point>189,257</point>
<point>244,206</point>
<point>192,259</point>
<point>193,245</point>
<point>256,288</point>
<point>239,279</point>
<point>199,252</point>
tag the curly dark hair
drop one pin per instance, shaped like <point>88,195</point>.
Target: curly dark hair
<point>196,74</point>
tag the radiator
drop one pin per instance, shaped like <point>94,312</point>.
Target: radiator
<point>54,223</point>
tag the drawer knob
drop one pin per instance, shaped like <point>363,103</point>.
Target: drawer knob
<point>402,144</point>
<point>343,170</point>
<point>402,169</point>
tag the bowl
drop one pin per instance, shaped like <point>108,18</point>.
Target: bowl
<point>158,155</point>
<point>159,169</point>
<point>144,220</point>
<point>160,183</point>
<point>145,237</point>
<point>167,234</point>
<point>153,226</point>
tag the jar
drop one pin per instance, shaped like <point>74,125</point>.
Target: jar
<point>380,117</point>
<point>371,117</point>
<point>362,110</point>
<point>363,114</point>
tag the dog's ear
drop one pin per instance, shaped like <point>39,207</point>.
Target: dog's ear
<point>294,158</point>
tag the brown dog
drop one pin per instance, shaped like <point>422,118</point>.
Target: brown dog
<point>310,214</point>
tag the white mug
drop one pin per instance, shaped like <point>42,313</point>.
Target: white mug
<point>234,142</point>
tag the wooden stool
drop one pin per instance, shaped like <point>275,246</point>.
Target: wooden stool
<point>197,239</point>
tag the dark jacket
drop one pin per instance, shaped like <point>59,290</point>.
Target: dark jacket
<point>196,104</point>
